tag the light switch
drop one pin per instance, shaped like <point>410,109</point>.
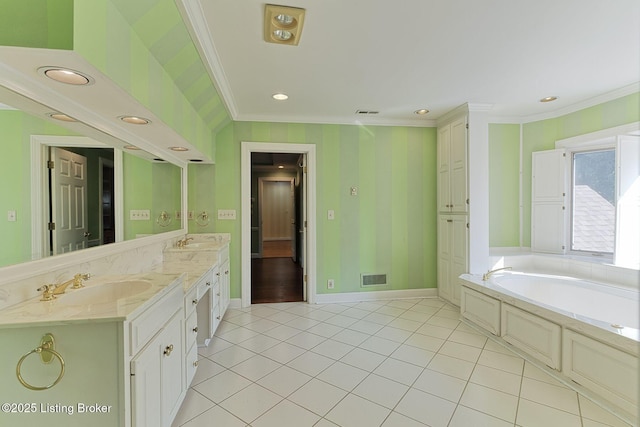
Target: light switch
<point>331,214</point>
<point>11,216</point>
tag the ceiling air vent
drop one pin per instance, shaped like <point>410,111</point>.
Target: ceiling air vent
<point>366,112</point>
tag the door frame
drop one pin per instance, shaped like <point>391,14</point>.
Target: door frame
<point>309,150</point>
<point>40,185</point>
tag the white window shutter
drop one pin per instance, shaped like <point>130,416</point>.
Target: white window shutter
<point>627,252</point>
<point>548,193</point>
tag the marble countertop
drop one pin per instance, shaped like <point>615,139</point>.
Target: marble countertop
<point>106,304</point>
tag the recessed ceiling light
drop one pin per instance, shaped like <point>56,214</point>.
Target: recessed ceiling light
<point>283,19</point>
<point>280,96</point>
<point>549,99</point>
<point>421,111</point>
<point>179,148</point>
<point>131,147</point>
<point>62,117</point>
<point>65,75</point>
<point>283,35</point>
<point>280,167</point>
<point>134,120</point>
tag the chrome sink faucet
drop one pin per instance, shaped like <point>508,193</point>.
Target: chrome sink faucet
<point>50,291</point>
<point>488,274</point>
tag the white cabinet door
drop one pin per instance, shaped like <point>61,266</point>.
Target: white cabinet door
<point>444,257</point>
<point>157,377</point>
<point>458,175</point>
<point>444,168</point>
<point>453,248</point>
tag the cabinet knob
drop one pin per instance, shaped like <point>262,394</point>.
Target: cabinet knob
<point>226,272</point>
<point>168,349</point>
<point>208,283</point>
<point>218,274</point>
<point>195,329</point>
<point>195,301</point>
<point>195,363</point>
<point>218,317</point>
<point>218,294</point>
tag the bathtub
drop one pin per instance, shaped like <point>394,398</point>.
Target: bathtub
<point>584,331</point>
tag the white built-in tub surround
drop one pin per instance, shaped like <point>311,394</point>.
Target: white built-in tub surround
<point>584,330</point>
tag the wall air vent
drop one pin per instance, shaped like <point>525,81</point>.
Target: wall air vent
<point>377,280</point>
<point>366,112</point>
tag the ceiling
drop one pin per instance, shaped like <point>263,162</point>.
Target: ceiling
<point>395,57</point>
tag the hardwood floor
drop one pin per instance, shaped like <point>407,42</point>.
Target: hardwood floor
<point>275,280</point>
<point>276,249</point>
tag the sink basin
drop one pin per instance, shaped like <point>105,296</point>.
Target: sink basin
<point>105,293</point>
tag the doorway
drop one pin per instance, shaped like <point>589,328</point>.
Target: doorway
<point>302,224</point>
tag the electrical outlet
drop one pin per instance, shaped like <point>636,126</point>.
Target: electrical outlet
<point>178,214</point>
<point>226,214</point>
<point>331,214</point>
<point>331,284</point>
<point>190,215</point>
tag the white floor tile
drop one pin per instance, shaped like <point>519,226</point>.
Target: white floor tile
<point>489,401</point>
<point>381,390</point>
<point>261,325</point>
<point>404,304</point>
<point>460,351</point>
<point>451,366</point>
<point>341,320</point>
<point>283,352</point>
<point>354,411</point>
<point>398,420</point>
<point>557,397</point>
<point>496,379</point>
<point>284,381</point>
<point>393,334</point>
<point>443,322</point>
<point>441,385</point>
<point>206,369</point>
<point>466,417</point>
<point>349,336</point>
<point>434,331</point>
<point>363,359</point>
<point>311,363</point>
<point>325,330</point>
<point>379,318</point>
<point>325,423</point>
<point>425,342</point>
<point>215,346</point>
<point>283,317</point>
<point>397,370</point>
<point>222,386</point>
<point>416,316</point>
<point>379,345</point>
<point>255,367</point>
<point>390,311</point>
<point>259,343</point>
<point>215,416</point>
<point>332,349</point>
<point>286,414</point>
<point>591,411</point>
<point>532,414</point>
<point>251,402</point>
<point>505,362</point>
<point>468,338</point>
<point>306,340</point>
<point>355,312</point>
<point>414,355</point>
<point>426,408</point>
<point>231,356</point>
<point>302,323</point>
<point>341,375</point>
<point>282,332</point>
<point>531,371</point>
<point>194,405</point>
<point>366,327</point>
<point>317,396</point>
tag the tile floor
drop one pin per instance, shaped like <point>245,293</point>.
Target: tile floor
<point>388,363</point>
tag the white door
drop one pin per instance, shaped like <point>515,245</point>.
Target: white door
<point>292,216</point>
<point>68,201</point>
<point>303,227</point>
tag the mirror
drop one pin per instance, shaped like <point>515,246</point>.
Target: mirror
<point>129,194</point>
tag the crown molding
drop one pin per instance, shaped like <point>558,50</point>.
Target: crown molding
<point>193,17</point>
<point>338,121</point>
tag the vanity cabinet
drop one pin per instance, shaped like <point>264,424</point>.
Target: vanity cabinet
<point>453,207</point>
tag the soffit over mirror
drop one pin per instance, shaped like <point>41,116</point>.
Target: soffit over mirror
<point>152,174</point>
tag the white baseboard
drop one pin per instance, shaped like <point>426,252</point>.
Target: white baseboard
<point>235,303</point>
<point>376,295</point>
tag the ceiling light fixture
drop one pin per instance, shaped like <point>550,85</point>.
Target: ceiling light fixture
<point>280,96</point>
<point>66,75</point>
<point>131,147</point>
<point>549,99</point>
<point>135,120</point>
<point>179,148</point>
<point>421,112</point>
<point>283,24</point>
<point>62,117</point>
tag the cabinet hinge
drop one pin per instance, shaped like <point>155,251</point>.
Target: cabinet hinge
<point>467,225</point>
<point>304,169</point>
<point>564,154</point>
<point>52,226</point>
<point>50,164</point>
<point>467,125</point>
<point>467,201</point>
<point>563,208</point>
<point>562,247</point>
<point>305,278</point>
<point>305,224</point>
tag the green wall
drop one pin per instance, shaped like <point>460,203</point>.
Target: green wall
<point>201,197</point>
<point>504,185</point>
<point>16,129</point>
<point>389,227</point>
<point>37,23</point>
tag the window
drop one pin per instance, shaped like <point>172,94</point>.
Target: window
<point>593,191</point>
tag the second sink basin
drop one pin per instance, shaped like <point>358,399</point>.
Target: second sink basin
<point>105,293</point>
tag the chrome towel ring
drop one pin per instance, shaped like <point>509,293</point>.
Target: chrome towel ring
<point>47,352</point>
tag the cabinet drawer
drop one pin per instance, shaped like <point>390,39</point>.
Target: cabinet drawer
<point>145,326</point>
<point>215,318</point>
<point>191,363</point>
<point>205,284</point>
<point>190,331</point>
<point>191,300</point>
<point>481,309</point>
